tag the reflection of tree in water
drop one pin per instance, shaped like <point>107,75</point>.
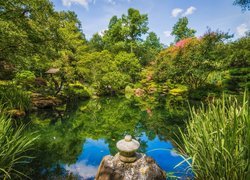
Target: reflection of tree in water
<point>57,145</point>
<point>106,118</point>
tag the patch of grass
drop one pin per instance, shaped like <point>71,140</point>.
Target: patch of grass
<point>217,139</point>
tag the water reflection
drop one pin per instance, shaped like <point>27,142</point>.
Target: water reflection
<point>87,164</point>
<point>74,143</point>
<point>94,150</point>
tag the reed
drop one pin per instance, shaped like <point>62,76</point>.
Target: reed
<point>14,148</point>
<point>14,98</point>
<point>217,140</point>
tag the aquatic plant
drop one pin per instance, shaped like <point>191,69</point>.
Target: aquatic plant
<point>13,97</point>
<point>217,140</point>
<point>14,148</point>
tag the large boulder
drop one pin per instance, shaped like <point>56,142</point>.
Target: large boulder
<point>41,102</point>
<point>112,168</point>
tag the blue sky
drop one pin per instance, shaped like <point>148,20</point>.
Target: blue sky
<point>163,14</point>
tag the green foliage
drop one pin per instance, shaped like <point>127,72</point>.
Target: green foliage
<point>15,147</point>
<point>136,23</point>
<point>217,140</point>
<point>237,63</point>
<point>127,63</point>
<point>12,97</point>
<point>92,66</point>
<point>25,78</point>
<point>124,34</point>
<point>239,52</point>
<point>149,49</point>
<point>181,31</point>
<point>191,60</point>
<point>237,79</point>
<point>106,73</point>
<point>77,90</point>
<point>96,43</point>
<point>113,82</point>
<point>206,92</point>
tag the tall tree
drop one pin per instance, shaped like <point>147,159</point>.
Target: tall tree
<point>124,34</point>
<point>136,23</point>
<point>181,30</point>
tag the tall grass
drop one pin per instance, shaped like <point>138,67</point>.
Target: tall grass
<point>14,147</point>
<point>217,139</point>
<point>13,97</point>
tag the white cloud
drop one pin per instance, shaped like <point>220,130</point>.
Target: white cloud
<point>84,3</point>
<point>176,12</point>
<point>167,33</point>
<point>179,12</point>
<point>82,169</point>
<point>189,11</point>
<point>242,29</point>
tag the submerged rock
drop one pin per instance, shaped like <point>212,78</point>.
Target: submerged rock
<point>144,168</point>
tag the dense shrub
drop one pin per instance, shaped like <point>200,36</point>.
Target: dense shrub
<point>77,90</point>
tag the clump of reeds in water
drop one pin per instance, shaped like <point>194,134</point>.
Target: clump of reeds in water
<point>15,145</point>
<point>217,140</point>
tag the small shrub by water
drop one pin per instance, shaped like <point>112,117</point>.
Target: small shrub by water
<point>14,147</point>
<point>217,140</point>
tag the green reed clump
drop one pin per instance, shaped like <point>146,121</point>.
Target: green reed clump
<point>13,97</point>
<point>217,140</point>
<point>14,148</point>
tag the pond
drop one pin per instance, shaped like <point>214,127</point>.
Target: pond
<point>73,142</point>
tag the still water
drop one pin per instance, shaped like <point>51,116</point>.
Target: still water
<point>73,140</point>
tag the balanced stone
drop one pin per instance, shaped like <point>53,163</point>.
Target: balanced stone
<point>127,148</point>
<point>128,164</point>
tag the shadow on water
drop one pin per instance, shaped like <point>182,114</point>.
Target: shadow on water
<point>73,141</point>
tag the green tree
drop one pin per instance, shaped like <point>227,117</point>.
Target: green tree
<point>125,32</point>
<point>96,43</point>
<point>136,25</point>
<point>25,31</point>
<point>181,30</point>
<point>114,38</point>
<point>93,66</point>
<point>192,62</point>
<point>237,63</point>
<point>150,48</point>
<point>127,63</point>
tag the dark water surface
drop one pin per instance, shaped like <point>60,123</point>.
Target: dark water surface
<point>73,142</point>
